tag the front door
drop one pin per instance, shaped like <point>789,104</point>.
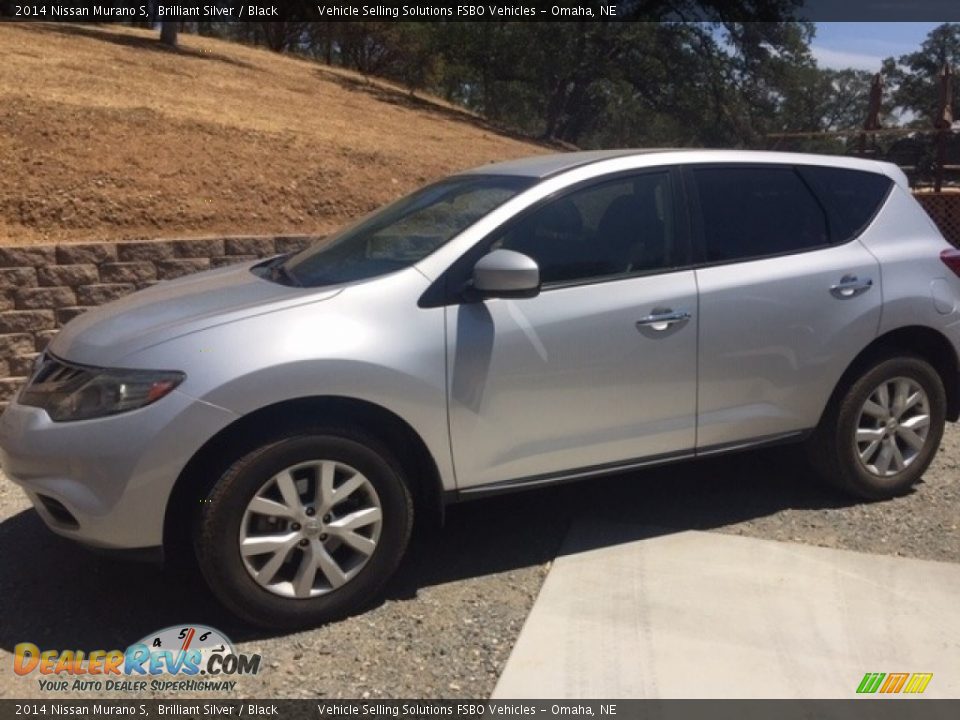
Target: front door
<point>600,368</point>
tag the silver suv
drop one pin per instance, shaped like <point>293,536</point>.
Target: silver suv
<point>520,324</point>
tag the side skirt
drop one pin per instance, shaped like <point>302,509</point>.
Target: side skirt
<point>537,481</point>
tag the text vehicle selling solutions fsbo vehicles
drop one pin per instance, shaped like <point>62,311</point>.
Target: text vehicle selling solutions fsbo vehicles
<point>524,323</point>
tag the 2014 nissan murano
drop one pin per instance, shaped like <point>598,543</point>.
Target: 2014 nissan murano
<point>516,325</point>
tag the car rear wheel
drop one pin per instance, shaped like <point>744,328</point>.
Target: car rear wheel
<point>882,433</point>
<point>304,530</point>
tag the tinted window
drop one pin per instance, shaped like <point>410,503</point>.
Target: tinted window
<point>756,211</point>
<point>852,196</point>
<point>613,228</point>
<point>402,233</point>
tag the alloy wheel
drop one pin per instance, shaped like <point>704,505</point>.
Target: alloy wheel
<point>893,427</point>
<point>310,529</point>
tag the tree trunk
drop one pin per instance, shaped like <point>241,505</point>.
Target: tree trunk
<point>555,104</point>
<point>168,33</point>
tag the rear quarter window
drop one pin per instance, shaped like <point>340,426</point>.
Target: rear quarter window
<point>852,197</point>
<point>751,212</point>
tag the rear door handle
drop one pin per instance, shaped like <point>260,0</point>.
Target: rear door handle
<point>662,319</point>
<point>850,286</point>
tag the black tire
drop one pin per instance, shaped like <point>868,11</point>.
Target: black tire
<point>833,450</point>
<point>217,532</point>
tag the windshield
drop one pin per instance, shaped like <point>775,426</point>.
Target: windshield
<point>402,233</point>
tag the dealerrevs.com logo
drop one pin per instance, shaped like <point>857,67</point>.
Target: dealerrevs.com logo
<point>178,658</point>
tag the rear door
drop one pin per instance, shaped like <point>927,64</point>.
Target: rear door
<point>788,298</point>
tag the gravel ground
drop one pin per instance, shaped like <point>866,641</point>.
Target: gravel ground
<point>458,602</point>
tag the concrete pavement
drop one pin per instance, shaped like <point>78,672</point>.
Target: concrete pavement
<point>635,612</point>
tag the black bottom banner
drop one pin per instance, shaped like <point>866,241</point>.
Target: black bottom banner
<point>184,709</point>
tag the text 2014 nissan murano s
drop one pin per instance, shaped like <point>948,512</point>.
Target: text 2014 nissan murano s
<point>520,324</point>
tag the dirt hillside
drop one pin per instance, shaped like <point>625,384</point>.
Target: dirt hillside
<point>104,135</point>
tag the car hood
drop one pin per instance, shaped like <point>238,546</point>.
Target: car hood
<point>107,334</point>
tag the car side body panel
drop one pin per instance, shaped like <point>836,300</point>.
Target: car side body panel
<point>774,340</point>
<point>915,281</point>
<point>567,379</point>
<point>365,349</point>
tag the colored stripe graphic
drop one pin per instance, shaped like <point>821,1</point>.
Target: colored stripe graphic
<point>894,682</point>
<point>870,682</point>
<point>918,682</point>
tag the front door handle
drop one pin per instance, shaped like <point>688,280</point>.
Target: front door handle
<point>850,286</point>
<point>662,319</point>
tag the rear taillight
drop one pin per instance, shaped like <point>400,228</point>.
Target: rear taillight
<point>951,258</point>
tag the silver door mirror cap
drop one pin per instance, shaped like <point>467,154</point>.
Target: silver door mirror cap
<point>506,273</point>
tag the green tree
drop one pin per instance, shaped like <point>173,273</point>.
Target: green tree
<point>917,74</point>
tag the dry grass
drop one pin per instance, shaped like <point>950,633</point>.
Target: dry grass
<point>104,135</point>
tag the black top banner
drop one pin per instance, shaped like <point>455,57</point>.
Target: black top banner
<point>491,10</point>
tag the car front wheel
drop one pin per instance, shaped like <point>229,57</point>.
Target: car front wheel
<point>304,530</point>
<point>882,434</point>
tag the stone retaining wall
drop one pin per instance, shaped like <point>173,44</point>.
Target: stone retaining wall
<point>44,286</point>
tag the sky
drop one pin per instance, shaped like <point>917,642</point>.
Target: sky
<point>864,45</point>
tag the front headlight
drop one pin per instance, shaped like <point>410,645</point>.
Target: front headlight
<point>76,392</point>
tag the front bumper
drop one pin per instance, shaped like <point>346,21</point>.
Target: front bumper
<point>106,482</point>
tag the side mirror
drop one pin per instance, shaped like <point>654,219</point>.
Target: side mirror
<point>506,274</point>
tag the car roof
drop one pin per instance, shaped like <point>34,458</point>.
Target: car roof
<point>544,166</point>
<point>541,166</point>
